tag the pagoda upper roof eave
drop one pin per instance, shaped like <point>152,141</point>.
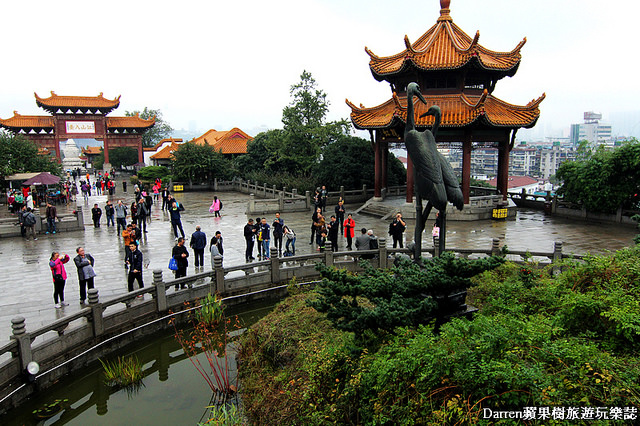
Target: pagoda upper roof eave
<point>409,67</point>
<point>444,46</point>
<point>130,122</point>
<point>458,111</point>
<point>27,122</point>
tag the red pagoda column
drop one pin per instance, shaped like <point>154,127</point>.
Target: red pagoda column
<point>466,168</point>
<point>378,167</point>
<point>409,198</point>
<point>140,153</point>
<point>503,168</point>
<point>106,148</point>
<point>385,163</point>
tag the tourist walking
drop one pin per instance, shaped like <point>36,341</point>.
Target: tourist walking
<point>219,242</point>
<point>109,211</point>
<point>258,230</point>
<point>128,236</point>
<point>321,226</point>
<point>314,221</point>
<point>249,238</point>
<point>96,213</point>
<point>121,215</point>
<point>198,243</point>
<point>216,206</point>
<point>165,199</point>
<point>290,236</point>
<point>277,225</point>
<point>349,233</point>
<point>143,212</point>
<point>56,263</point>
<point>332,231</point>
<point>176,223</point>
<point>396,229</point>
<point>213,249</point>
<point>180,254</point>
<point>323,198</point>
<point>52,214</point>
<point>340,211</point>
<point>84,263</point>
<point>29,220</point>
<point>265,234</point>
<point>134,261</point>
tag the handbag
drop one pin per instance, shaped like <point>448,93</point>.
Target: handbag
<point>211,209</point>
<point>58,277</point>
<point>173,265</point>
<point>88,272</point>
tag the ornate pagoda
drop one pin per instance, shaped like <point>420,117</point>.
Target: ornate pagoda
<point>459,75</point>
<point>83,117</point>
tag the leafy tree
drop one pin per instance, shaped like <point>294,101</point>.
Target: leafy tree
<point>153,172</point>
<point>405,296</point>
<point>262,152</point>
<point>350,161</point>
<point>20,155</point>
<point>200,163</point>
<point>119,157</point>
<point>604,180</point>
<point>160,130</point>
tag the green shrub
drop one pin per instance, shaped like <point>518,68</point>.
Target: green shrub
<point>123,372</point>
<point>151,173</point>
<point>211,310</point>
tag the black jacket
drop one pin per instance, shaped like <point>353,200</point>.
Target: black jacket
<point>135,260</point>
<point>249,231</point>
<point>177,255</point>
<point>81,263</point>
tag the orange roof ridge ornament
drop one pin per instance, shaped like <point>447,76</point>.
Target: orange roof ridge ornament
<point>518,47</point>
<point>474,44</point>
<point>444,10</point>
<point>371,54</point>
<point>396,100</point>
<point>407,43</point>
<point>352,106</point>
<point>535,102</point>
<point>482,99</point>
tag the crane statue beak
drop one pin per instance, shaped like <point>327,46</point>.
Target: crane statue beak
<point>434,110</point>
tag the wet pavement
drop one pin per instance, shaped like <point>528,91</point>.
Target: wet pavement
<point>27,287</point>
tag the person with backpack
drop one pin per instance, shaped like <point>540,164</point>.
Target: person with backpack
<point>198,243</point>
<point>249,236</point>
<point>30,224</point>
<point>216,206</point>
<point>176,222</point>
<point>142,213</point>
<point>396,229</point>
<point>291,241</point>
<point>121,215</point>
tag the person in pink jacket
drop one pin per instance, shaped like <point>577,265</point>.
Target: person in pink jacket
<point>56,263</point>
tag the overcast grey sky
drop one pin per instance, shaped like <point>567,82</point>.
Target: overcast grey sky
<point>225,64</point>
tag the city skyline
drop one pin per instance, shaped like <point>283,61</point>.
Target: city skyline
<point>208,65</point>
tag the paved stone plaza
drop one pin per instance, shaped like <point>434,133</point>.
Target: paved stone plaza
<point>27,287</point>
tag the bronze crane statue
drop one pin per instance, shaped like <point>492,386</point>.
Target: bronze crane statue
<point>434,178</point>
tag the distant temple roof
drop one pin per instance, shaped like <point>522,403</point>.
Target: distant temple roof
<point>92,150</point>
<point>165,153</point>
<point>458,110</point>
<point>62,104</point>
<point>445,47</point>
<point>233,141</point>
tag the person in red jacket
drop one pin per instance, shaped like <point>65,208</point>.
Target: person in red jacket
<point>59,277</point>
<point>349,226</point>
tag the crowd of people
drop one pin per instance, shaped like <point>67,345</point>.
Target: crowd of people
<point>130,222</point>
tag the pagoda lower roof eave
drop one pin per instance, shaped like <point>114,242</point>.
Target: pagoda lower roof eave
<point>458,111</point>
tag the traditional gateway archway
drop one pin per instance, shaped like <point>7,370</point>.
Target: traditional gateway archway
<point>83,117</point>
<point>459,75</point>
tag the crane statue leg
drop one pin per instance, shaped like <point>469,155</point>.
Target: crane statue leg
<point>421,220</point>
<point>443,231</point>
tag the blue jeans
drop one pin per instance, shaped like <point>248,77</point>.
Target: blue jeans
<point>265,249</point>
<point>291,242</point>
<point>110,219</point>
<point>51,224</point>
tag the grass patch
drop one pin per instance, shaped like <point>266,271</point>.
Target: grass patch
<point>124,372</point>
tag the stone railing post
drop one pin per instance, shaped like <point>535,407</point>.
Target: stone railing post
<point>383,253</point>
<point>619,214</point>
<point>328,254</point>
<point>215,184</point>
<point>341,192</point>
<point>557,257</point>
<point>275,265</point>
<point>436,246</point>
<point>281,200</point>
<point>495,247</point>
<point>275,192</point>
<point>307,196</point>
<point>96,312</point>
<point>80,216</point>
<point>294,193</point>
<point>161,291</point>
<point>252,203</point>
<point>219,274</point>
<point>23,338</point>
<point>364,191</point>
<point>264,187</point>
